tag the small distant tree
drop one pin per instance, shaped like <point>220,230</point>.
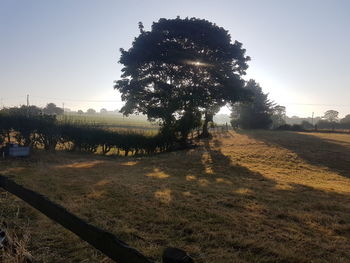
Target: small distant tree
<point>52,109</point>
<point>103,111</point>
<point>278,116</point>
<point>91,111</point>
<point>255,114</point>
<point>80,112</point>
<point>331,115</point>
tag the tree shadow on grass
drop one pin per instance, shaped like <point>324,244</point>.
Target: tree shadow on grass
<point>315,150</point>
<point>244,215</point>
<point>301,216</point>
<point>203,202</point>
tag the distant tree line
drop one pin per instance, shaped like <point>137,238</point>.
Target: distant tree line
<point>330,120</point>
<point>261,113</point>
<point>49,109</point>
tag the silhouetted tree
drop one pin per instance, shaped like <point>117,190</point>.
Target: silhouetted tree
<point>103,111</point>
<point>179,68</point>
<point>52,109</point>
<point>255,114</point>
<point>80,112</point>
<point>331,115</point>
<point>208,117</point>
<point>91,111</point>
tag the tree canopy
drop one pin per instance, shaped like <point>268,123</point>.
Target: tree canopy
<point>90,111</point>
<point>331,115</point>
<point>257,113</point>
<point>278,116</point>
<point>180,70</point>
<point>103,111</point>
<point>52,109</point>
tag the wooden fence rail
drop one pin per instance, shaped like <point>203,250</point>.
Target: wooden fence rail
<point>102,240</point>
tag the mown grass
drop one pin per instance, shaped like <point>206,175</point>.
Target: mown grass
<point>259,196</point>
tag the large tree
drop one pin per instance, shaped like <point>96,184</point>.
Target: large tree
<point>179,70</point>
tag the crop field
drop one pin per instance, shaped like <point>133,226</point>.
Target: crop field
<point>251,196</point>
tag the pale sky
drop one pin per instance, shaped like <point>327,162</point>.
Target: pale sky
<point>68,51</point>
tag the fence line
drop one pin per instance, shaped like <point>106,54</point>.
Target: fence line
<point>104,241</point>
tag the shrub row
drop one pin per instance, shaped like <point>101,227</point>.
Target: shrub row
<point>44,131</point>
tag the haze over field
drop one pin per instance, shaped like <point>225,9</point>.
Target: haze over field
<point>67,51</point>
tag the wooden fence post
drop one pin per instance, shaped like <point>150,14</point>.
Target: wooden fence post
<point>175,255</point>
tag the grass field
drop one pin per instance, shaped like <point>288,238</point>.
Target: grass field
<point>259,196</point>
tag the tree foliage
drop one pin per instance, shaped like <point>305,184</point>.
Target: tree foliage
<point>255,114</point>
<point>103,111</point>
<point>52,109</point>
<point>331,115</point>
<point>90,111</point>
<point>180,69</point>
<point>278,116</point>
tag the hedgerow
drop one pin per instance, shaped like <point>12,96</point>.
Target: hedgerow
<point>45,132</point>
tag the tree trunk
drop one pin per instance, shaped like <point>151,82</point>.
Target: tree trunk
<point>205,132</point>
<point>184,138</point>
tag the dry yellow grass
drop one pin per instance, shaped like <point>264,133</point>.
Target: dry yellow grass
<point>257,196</point>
